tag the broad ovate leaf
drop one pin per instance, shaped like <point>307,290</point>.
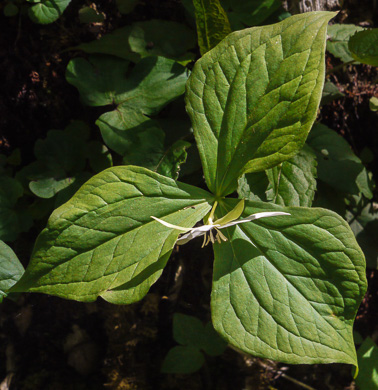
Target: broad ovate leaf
<point>212,23</point>
<point>47,11</point>
<point>293,182</point>
<point>288,287</point>
<point>10,269</point>
<point>254,97</point>
<point>103,241</point>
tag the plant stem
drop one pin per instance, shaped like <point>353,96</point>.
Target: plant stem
<point>283,375</point>
<point>338,67</point>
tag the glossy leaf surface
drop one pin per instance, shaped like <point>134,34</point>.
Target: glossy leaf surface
<point>253,98</point>
<point>288,287</point>
<point>104,241</point>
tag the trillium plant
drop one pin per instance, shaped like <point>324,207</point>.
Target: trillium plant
<point>287,278</point>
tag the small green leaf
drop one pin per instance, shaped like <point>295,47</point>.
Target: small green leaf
<point>47,11</point>
<point>338,166</point>
<point>364,46</point>
<point>254,97</point>
<point>293,182</point>
<point>47,187</point>
<point>11,269</point>
<point>367,354</point>
<point>339,35</point>
<point>187,330</point>
<point>103,242</point>
<point>142,39</point>
<point>136,137</point>
<point>212,23</point>
<point>288,287</point>
<point>170,163</point>
<point>182,360</point>
<point>330,93</point>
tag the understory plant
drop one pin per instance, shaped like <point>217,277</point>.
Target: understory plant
<point>287,280</point>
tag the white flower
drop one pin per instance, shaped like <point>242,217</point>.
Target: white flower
<point>228,220</point>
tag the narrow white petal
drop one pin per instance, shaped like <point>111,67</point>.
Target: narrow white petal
<point>170,225</point>
<point>189,236</point>
<point>252,217</point>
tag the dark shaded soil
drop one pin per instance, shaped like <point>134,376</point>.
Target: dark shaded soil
<point>49,343</point>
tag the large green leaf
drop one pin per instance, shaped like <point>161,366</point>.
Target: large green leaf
<point>142,39</point>
<point>339,35</point>
<point>288,287</point>
<point>10,269</point>
<point>104,241</point>
<point>364,46</point>
<point>254,97</point>
<point>293,182</point>
<point>47,11</point>
<point>212,23</point>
